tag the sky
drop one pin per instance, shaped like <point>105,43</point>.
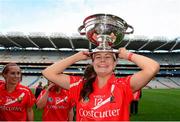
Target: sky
<point>150,18</point>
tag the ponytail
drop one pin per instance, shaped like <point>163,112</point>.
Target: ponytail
<point>89,78</point>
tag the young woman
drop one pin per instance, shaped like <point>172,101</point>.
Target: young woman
<point>102,96</point>
<point>55,103</point>
<point>16,101</point>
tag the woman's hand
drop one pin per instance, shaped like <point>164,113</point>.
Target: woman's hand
<point>123,53</point>
<point>83,55</point>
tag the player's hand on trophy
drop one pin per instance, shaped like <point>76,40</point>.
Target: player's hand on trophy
<point>123,53</point>
<point>83,55</point>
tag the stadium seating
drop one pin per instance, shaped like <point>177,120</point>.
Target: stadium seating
<point>33,60</point>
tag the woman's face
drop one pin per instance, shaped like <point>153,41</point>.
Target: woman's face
<point>13,75</point>
<point>104,63</point>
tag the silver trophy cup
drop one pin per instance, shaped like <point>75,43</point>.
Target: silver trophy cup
<point>105,31</point>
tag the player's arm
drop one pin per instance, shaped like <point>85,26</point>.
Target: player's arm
<point>71,115</point>
<point>55,74</point>
<point>30,114</point>
<point>149,68</point>
<point>42,100</point>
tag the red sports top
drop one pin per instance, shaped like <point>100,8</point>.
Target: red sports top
<point>99,105</point>
<point>13,106</point>
<point>1,82</point>
<point>57,107</point>
<point>137,95</point>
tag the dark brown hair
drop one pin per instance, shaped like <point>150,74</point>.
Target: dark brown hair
<point>89,78</point>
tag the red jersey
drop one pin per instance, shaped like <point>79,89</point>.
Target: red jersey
<point>57,107</point>
<point>13,106</point>
<point>99,106</point>
<point>137,95</point>
<point>1,82</point>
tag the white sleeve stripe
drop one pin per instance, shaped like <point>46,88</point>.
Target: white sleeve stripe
<point>26,90</point>
<point>75,84</point>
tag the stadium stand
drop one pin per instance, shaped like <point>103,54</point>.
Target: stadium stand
<point>36,51</point>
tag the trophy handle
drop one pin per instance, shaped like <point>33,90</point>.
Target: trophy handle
<point>80,30</point>
<point>131,31</point>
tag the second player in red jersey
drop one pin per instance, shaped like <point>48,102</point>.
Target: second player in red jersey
<point>55,103</point>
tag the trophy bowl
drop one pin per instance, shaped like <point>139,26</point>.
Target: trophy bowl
<point>104,30</point>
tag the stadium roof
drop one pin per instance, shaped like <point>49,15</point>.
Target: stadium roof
<point>60,41</point>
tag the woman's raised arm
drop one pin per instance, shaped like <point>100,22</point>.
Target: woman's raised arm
<point>149,68</point>
<point>55,74</point>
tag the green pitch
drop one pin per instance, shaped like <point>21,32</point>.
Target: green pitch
<point>155,104</point>
<point>159,105</point>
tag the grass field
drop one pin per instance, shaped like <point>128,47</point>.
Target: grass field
<point>155,105</point>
